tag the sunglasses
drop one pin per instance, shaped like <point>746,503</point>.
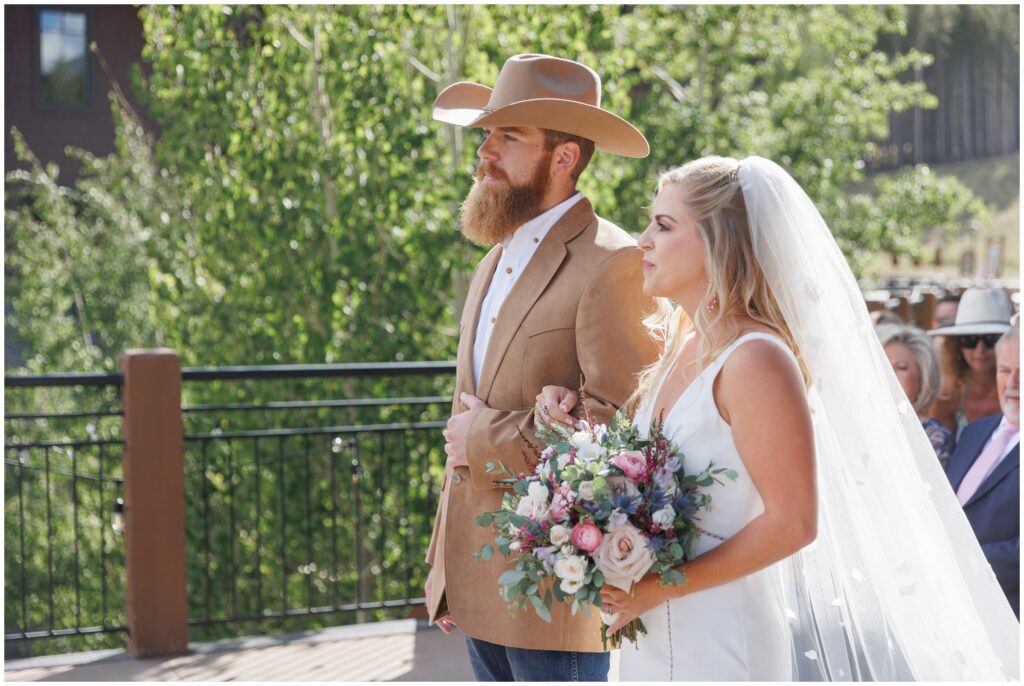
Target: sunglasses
<point>971,341</point>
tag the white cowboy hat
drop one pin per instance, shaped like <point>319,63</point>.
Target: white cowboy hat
<point>981,310</point>
<point>547,93</point>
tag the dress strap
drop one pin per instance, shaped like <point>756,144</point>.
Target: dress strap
<point>754,336</point>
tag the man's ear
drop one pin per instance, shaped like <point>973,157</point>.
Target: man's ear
<point>564,160</point>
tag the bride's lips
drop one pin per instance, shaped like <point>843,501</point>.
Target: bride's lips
<point>648,265</point>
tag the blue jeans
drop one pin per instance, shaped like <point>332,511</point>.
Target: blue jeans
<point>493,662</point>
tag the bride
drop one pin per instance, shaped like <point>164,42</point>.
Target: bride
<point>839,552</point>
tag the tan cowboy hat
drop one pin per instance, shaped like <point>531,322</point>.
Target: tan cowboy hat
<point>981,311</point>
<point>547,93</point>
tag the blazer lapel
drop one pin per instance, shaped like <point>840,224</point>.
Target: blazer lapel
<point>471,315</point>
<point>1002,470</point>
<point>530,284</point>
<point>965,457</point>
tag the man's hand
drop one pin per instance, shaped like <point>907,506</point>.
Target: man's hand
<point>446,623</point>
<point>457,433</point>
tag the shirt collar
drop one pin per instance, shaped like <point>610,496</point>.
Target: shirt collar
<point>522,239</point>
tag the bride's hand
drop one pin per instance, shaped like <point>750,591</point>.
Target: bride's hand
<point>646,594</point>
<point>554,403</point>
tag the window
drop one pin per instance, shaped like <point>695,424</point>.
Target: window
<point>63,58</point>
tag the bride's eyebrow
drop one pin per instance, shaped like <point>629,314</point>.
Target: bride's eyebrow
<point>659,217</point>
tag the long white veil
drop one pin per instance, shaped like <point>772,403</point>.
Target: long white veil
<point>896,586</point>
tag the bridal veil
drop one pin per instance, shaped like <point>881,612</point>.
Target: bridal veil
<point>896,586</point>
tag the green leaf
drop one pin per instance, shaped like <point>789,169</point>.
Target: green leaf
<point>485,519</point>
<point>542,610</point>
<point>511,577</point>
<point>487,552</point>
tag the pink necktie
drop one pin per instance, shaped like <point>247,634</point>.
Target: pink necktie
<point>986,460</point>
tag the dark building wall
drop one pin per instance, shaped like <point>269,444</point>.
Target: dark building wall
<point>117,31</point>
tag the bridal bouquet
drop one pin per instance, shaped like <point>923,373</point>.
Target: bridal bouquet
<point>601,506</point>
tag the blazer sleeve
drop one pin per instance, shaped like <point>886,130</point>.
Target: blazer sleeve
<point>1004,556</point>
<point>612,346</point>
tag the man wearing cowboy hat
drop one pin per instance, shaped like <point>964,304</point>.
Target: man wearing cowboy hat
<point>557,299</point>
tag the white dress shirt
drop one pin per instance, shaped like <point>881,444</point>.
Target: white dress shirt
<point>516,252</point>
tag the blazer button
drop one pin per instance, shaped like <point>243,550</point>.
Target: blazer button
<point>456,478</point>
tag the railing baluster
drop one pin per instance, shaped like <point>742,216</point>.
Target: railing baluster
<point>284,555</point>
<point>103,545</point>
<point>383,515</point>
<point>78,569</point>
<point>309,525</point>
<point>233,576</point>
<point>21,531</point>
<point>406,515</point>
<point>334,519</point>
<point>259,531</point>
<point>359,521</point>
<point>206,525</point>
<point>49,538</point>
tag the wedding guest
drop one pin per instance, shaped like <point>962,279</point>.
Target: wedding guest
<point>945,311</point>
<point>968,389</point>
<point>985,472</point>
<point>916,364</point>
<point>945,314</point>
<point>879,317</point>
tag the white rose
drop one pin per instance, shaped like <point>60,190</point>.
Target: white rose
<point>624,557</point>
<point>586,449</point>
<point>559,535</point>
<point>609,618</point>
<point>571,567</point>
<point>586,490</point>
<point>665,517</point>
<point>540,509</point>
<point>537,491</point>
<point>563,460</point>
<point>570,586</point>
<point>568,549</point>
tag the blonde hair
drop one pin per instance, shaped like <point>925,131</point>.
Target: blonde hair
<point>925,357</point>
<point>714,199</point>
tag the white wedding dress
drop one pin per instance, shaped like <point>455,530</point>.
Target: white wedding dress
<point>736,631</point>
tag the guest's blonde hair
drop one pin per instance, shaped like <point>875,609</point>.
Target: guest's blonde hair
<point>925,356</point>
<point>737,287</point>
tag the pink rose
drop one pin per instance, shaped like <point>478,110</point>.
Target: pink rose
<point>587,537</point>
<point>624,556</point>
<point>632,464</point>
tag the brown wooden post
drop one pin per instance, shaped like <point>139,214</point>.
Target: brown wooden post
<point>154,488</point>
<point>923,310</point>
<point>900,306</point>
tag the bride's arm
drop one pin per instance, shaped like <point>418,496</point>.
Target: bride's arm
<point>760,393</point>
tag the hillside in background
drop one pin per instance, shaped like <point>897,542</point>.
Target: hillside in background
<point>997,181</point>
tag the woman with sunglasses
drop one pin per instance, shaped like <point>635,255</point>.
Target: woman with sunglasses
<point>968,390</point>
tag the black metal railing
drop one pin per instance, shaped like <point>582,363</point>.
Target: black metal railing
<point>314,507</point>
<point>63,562</point>
<point>297,509</point>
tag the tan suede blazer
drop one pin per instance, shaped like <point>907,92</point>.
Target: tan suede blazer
<point>576,311</point>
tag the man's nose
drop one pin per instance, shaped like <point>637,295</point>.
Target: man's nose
<point>486,150</point>
<point>1014,380</point>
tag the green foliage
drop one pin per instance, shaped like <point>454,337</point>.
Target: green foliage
<point>300,205</point>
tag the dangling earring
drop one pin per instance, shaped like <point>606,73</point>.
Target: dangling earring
<point>712,303</point>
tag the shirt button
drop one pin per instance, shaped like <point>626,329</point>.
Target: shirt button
<point>456,478</point>
<point>536,240</point>
<point>493,319</point>
<point>508,270</point>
